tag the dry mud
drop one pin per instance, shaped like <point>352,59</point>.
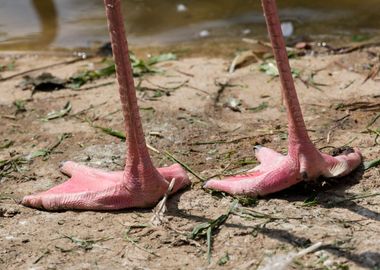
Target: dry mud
<point>193,123</point>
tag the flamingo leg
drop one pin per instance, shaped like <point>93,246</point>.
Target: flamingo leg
<point>140,184</point>
<point>303,161</point>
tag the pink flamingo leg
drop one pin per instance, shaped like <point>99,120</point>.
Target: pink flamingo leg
<point>303,161</point>
<point>140,184</point>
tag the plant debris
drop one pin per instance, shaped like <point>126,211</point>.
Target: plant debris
<point>186,167</point>
<point>20,106</point>
<point>112,132</point>
<point>7,67</point>
<point>160,209</point>
<point>261,107</point>
<point>365,106</point>
<point>223,260</point>
<point>6,144</point>
<point>82,77</point>
<point>12,164</point>
<point>372,73</point>
<point>8,212</point>
<point>233,104</point>
<point>86,244</point>
<point>47,82</point>
<point>58,114</point>
<point>141,67</point>
<point>46,152</point>
<point>207,229</point>
<point>271,70</point>
<point>371,164</point>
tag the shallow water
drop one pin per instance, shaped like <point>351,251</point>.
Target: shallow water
<point>48,24</point>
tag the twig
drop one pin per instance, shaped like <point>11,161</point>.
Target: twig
<point>89,108</point>
<point>92,87</point>
<point>373,120</point>
<point>344,50</point>
<point>40,257</point>
<point>44,67</point>
<point>168,88</point>
<point>198,89</point>
<point>160,209</point>
<point>184,73</point>
<point>222,86</point>
<point>225,141</point>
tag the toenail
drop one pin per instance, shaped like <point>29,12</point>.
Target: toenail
<point>304,176</point>
<point>257,147</point>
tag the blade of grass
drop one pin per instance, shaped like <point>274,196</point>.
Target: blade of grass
<point>46,152</point>
<point>58,114</point>
<point>259,108</point>
<point>373,120</point>
<point>209,243</point>
<point>85,244</point>
<point>370,164</point>
<point>121,135</point>
<point>7,143</point>
<point>208,228</point>
<point>309,202</point>
<point>161,58</point>
<point>170,156</point>
<point>112,132</point>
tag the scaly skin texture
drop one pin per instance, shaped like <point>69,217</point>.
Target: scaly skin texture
<point>303,161</point>
<point>140,184</point>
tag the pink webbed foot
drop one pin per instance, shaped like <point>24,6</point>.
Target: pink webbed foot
<point>277,172</point>
<point>95,189</point>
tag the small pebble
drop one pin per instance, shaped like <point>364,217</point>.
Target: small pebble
<point>204,33</point>
<point>246,31</point>
<point>328,263</point>
<point>181,8</point>
<point>287,29</point>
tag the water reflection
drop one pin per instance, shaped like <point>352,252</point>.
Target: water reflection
<point>48,21</point>
<point>42,24</point>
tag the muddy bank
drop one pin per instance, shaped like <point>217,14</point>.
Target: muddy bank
<point>210,120</point>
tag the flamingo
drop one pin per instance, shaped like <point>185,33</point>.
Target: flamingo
<point>140,184</point>
<point>303,161</point>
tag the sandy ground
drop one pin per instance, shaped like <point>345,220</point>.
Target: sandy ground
<point>193,123</point>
